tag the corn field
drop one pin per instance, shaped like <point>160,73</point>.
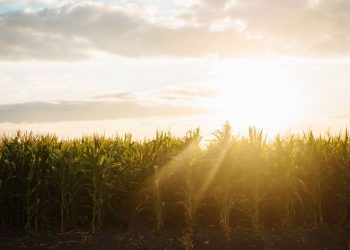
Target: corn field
<point>97,182</point>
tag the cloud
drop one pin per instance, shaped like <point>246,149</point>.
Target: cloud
<point>189,92</point>
<point>27,2</point>
<point>119,96</point>
<point>215,3</point>
<point>242,28</point>
<point>88,111</point>
<point>72,32</point>
<point>342,117</point>
<point>185,93</point>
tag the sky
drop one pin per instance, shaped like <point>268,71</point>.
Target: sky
<point>75,67</point>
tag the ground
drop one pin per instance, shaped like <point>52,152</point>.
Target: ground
<point>301,239</point>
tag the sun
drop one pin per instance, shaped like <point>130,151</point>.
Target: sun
<point>258,94</point>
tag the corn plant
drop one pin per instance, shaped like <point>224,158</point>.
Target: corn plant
<point>289,185</point>
<point>190,170</point>
<point>313,162</point>
<point>257,175</point>
<point>221,153</point>
<point>344,162</point>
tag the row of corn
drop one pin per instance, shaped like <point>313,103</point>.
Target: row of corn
<point>231,181</point>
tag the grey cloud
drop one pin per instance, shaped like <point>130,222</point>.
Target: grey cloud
<point>273,26</point>
<point>88,111</point>
<point>119,96</point>
<point>25,44</point>
<point>215,3</point>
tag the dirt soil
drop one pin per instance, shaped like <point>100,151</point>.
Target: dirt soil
<point>301,239</point>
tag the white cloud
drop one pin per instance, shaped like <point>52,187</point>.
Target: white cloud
<point>226,24</point>
<point>314,3</point>
<point>187,3</point>
<point>73,31</point>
